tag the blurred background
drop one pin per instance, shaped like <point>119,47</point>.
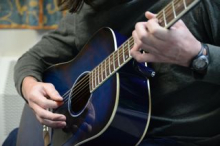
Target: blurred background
<point>22,24</point>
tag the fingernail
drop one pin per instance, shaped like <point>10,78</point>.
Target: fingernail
<point>59,103</point>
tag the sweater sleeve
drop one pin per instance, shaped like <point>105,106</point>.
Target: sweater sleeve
<point>205,25</point>
<point>212,15</point>
<point>55,47</point>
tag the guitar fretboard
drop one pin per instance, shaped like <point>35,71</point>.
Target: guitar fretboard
<point>166,17</point>
<point>174,10</point>
<point>111,64</point>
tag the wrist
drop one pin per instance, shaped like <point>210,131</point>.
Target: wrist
<point>200,62</point>
<point>26,84</point>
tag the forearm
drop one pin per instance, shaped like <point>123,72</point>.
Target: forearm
<point>27,65</point>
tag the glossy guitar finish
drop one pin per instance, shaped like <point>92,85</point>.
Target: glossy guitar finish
<point>103,111</point>
<point>116,113</point>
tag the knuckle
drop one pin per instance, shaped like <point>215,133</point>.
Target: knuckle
<point>137,25</point>
<point>140,44</point>
<point>50,85</point>
<point>132,52</point>
<point>45,116</point>
<point>133,33</point>
<point>37,86</point>
<point>142,37</point>
<point>43,105</point>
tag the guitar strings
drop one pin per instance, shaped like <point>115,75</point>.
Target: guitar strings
<point>168,8</point>
<point>82,82</point>
<point>78,97</point>
<point>79,84</point>
<point>119,55</point>
<point>169,11</point>
<point>169,14</point>
<point>66,95</point>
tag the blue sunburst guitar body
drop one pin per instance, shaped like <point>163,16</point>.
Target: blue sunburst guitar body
<point>116,112</point>
<point>106,93</point>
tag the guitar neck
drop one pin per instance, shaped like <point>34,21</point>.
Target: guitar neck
<point>166,18</point>
<point>174,11</point>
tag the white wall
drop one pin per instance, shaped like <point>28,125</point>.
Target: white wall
<point>13,43</point>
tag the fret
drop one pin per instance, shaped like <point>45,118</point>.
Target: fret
<point>169,13</point>
<point>179,7</point>
<point>184,2</point>
<point>160,19</point>
<point>118,53</point>
<point>103,70</point>
<point>107,64</point>
<point>93,80</point>
<point>106,69</point>
<point>95,77</point>
<point>121,55</point>
<point>98,75</point>
<point>113,61</point>
<point>164,18</point>
<point>130,44</point>
<point>188,2</point>
<point>126,51</point>
<point>123,52</point>
<point>90,81</point>
<point>111,64</point>
<point>174,10</point>
<point>116,59</point>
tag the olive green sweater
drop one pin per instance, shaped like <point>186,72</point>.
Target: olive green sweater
<point>183,106</point>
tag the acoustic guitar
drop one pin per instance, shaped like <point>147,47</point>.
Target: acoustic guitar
<point>106,93</point>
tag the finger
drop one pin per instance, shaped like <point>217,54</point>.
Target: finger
<point>45,114</point>
<point>137,41</point>
<point>147,44</point>
<point>145,57</point>
<point>53,124</point>
<point>140,33</point>
<point>156,30</point>
<point>52,92</point>
<point>136,54</point>
<point>43,102</point>
<point>150,15</point>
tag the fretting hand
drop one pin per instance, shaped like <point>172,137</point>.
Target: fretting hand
<point>176,45</point>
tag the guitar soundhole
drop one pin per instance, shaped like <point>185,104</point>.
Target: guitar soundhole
<point>79,95</point>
